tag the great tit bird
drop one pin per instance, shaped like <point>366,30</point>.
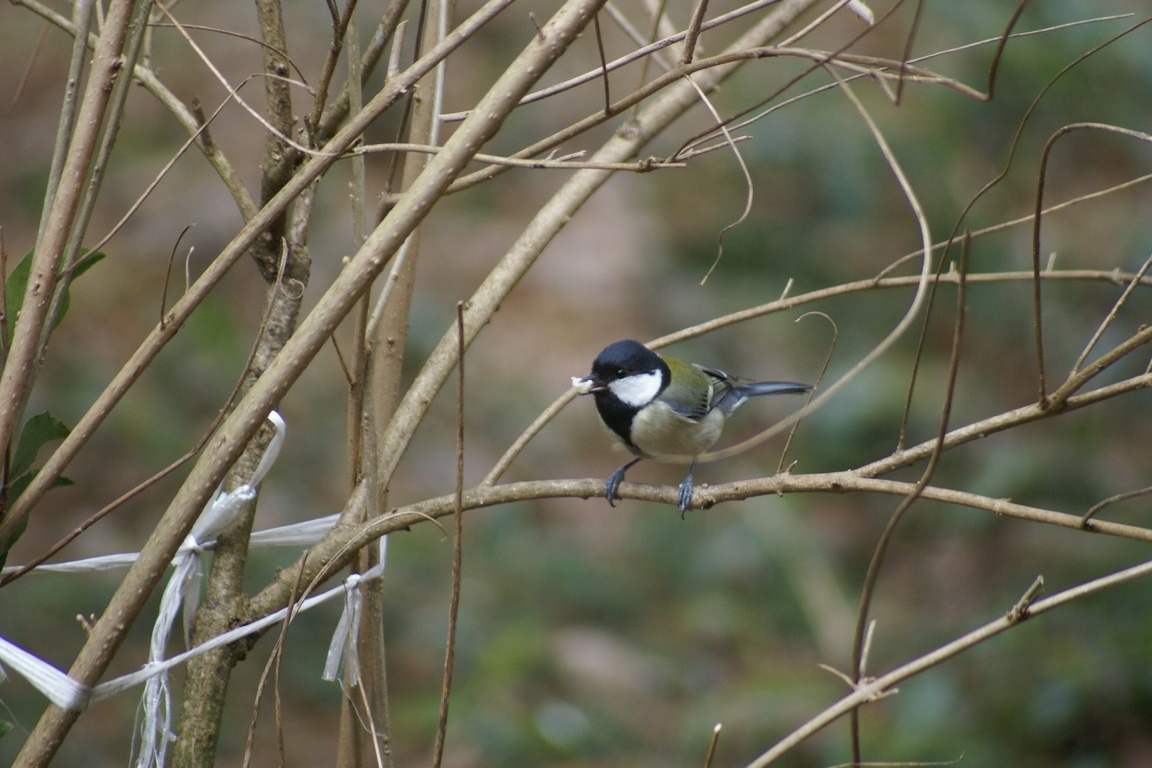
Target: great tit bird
<point>661,406</point>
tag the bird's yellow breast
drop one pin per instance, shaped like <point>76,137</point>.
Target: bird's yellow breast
<point>659,431</point>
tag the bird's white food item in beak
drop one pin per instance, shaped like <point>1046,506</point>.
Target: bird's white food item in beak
<point>582,383</point>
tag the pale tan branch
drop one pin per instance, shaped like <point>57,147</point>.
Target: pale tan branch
<point>874,688</point>
<point>565,162</point>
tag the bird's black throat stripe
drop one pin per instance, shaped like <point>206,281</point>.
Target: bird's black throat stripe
<point>617,416</point>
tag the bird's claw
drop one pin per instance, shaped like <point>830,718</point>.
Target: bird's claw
<point>612,484</point>
<point>685,497</point>
<point>614,481</point>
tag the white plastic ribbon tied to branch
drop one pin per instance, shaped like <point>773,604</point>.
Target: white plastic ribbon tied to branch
<point>60,689</point>
<point>343,651</point>
<point>302,534</point>
<point>68,694</point>
<point>184,588</point>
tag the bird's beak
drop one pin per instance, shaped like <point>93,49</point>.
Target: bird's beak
<point>588,385</point>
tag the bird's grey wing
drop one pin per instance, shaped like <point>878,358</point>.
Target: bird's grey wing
<point>722,390</point>
<point>695,399</point>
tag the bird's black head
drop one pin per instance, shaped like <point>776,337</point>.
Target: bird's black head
<point>626,376</point>
<point>621,360</point>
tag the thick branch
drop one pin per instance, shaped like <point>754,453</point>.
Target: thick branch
<point>108,633</point>
<point>547,223</point>
<point>196,293</point>
<point>22,361</point>
<point>999,423</point>
<point>875,688</point>
<point>337,549</point>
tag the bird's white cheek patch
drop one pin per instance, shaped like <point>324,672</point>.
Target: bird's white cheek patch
<point>637,390</point>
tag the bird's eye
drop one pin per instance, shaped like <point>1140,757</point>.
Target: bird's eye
<point>619,373</point>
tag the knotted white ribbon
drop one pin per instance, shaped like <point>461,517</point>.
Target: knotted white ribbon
<point>302,534</point>
<point>184,588</point>
<point>68,694</point>
<point>344,651</point>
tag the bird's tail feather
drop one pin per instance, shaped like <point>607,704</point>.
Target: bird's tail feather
<point>738,395</point>
<point>759,388</point>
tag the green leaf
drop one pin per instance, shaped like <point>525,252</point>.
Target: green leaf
<point>81,267</point>
<point>15,488</point>
<point>87,262</point>
<point>14,288</point>
<point>17,284</point>
<point>21,483</point>
<point>38,430</point>
<point>6,547</point>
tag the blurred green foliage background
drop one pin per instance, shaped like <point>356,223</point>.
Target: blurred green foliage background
<point>619,637</point>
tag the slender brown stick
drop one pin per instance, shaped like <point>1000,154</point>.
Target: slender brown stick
<point>883,685</point>
<point>23,361</point>
<point>872,576</point>
<point>199,290</point>
<point>109,631</point>
<point>692,34</point>
<point>603,63</point>
<point>457,550</point>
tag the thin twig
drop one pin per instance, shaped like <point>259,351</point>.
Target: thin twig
<point>1111,314</point>
<point>24,358</point>
<point>160,176</point>
<point>872,575</point>
<point>818,22</point>
<point>872,73</point>
<point>388,30</point>
<point>340,24</point>
<point>457,548</point>
<point>640,39</point>
<point>1083,376</point>
<point>909,41</point>
<point>603,63</point>
<point>788,303</point>
<point>712,742</point>
<point>692,34</point>
<point>273,662</point>
<point>815,384</point>
<point>749,186</point>
<point>1021,610</point>
<point>567,162</point>
<point>885,682</point>
<point>238,247</point>
<point>1037,316</point>
<point>1095,508</point>
<point>260,118</point>
<point>626,59</point>
<point>280,52</point>
<point>83,13</point>
<point>30,65</point>
<point>168,271</point>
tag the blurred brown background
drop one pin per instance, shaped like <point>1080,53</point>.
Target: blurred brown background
<point>619,637</point>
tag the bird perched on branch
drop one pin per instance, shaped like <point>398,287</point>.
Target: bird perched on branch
<point>662,407</point>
